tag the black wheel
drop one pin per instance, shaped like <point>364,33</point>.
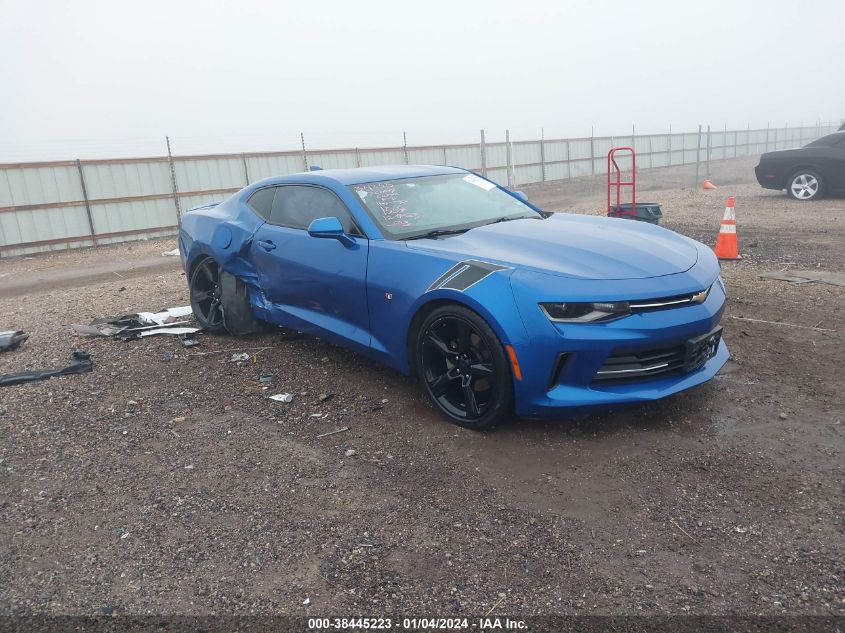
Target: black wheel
<point>804,185</point>
<point>205,295</point>
<point>462,367</point>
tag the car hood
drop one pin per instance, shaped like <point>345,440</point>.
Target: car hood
<point>577,246</point>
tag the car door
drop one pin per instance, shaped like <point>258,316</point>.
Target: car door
<point>836,174</point>
<point>314,284</point>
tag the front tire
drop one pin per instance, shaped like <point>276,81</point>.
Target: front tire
<point>462,367</point>
<point>804,185</point>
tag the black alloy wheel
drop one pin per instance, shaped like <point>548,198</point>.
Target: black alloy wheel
<point>205,295</point>
<point>463,368</point>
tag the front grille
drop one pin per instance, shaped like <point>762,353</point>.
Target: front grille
<point>629,366</point>
<point>647,305</point>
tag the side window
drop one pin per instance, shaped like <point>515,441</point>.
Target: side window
<point>297,206</point>
<point>262,201</point>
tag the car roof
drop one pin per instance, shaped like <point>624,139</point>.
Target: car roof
<point>360,175</point>
<point>827,140</point>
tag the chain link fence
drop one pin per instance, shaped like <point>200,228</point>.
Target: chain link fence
<point>64,204</point>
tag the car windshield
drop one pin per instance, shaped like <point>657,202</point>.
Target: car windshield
<point>827,141</point>
<point>417,207</point>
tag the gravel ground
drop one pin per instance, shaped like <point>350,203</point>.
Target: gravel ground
<point>156,486</point>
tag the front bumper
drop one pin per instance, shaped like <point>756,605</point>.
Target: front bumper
<point>551,386</point>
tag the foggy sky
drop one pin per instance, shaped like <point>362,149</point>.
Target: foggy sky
<point>98,79</point>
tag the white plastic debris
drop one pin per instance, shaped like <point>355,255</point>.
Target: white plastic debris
<point>173,253</point>
<point>170,330</point>
<point>238,358</point>
<point>166,316</point>
<point>282,397</point>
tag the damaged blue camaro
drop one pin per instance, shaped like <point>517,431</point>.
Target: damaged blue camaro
<point>495,306</point>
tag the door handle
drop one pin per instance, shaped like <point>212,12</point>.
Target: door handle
<point>267,245</point>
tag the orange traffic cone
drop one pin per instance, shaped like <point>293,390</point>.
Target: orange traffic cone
<point>726,244</point>
<point>708,185</point>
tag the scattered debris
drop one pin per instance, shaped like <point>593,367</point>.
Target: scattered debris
<point>167,357</point>
<point>683,531</point>
<point>307,601</point>
<point>175,331</point>
<point>803,327</point>
<point>81,363</point>
<point>170,315</point>
<point>335,432</point>
<point>188,342</point>
<point>807,276</point>
<point>268,378</point>
<point>233,349</point>
<point>239,358</point>
<point>325,397</point>
<point>131,326</point>
<point>11,339</point>
<point>173,253</point>
<point>783,416</point>
<point>740,530</point>
<point>350,452</point>
<point>282,397</point>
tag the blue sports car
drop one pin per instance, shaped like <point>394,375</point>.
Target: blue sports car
<point>495,306</point>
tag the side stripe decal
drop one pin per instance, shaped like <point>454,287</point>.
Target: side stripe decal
<point>465,274</point>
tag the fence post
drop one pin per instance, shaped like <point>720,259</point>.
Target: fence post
<point>568,161</point>
<point>747,139</point>
<point>87,201</point>
<point>669,145</point>
<point>725,144</point>
<point>709,149</point>
<point>304,153</point>
<point>683,149</point>
<point>593,150</point>
<point>405,146</point>
<point>509,153</point>
<point>776,139</point>
<point>173,182</point>
<point>736,133</point>
<point>357,157</point>
<point>246,169</point>
<point>543,153</point>
<point>698,156</point>
<point>445,158</point>
<point>483,150</point>
<point>767,137</point>
<point>650,152</point>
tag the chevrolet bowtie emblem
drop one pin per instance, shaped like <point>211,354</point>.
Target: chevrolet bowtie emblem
<point>701,296</point>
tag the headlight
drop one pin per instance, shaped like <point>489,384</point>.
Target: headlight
<point>585,312</point>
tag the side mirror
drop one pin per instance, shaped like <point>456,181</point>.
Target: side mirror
<point>330,228</point>
<point>521,196</point>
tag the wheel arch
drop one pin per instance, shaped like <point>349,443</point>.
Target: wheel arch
<point>193,263</point>
<point>792,171</point>
<point>429,304</point>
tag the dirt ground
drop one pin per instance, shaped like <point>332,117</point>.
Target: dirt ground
<point>175,486</point>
